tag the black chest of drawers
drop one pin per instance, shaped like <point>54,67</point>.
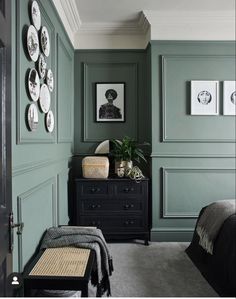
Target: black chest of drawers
<point>119,207</point>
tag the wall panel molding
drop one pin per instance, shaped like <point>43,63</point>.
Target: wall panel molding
<point>62,198</point>
<point>21,198</point>
<point>166,170</point>
<point>35,165</point>
<point>66,138</point>
<point>165,137</point>
<point>169,155</point>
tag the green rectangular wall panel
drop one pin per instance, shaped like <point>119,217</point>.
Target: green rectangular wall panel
<point>40,160</point>
<point>110,66</point>
<point>193,157</point>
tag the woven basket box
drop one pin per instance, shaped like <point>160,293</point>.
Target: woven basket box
<point>95,167</point>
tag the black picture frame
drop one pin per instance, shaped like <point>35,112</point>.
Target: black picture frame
<point>106,93</point>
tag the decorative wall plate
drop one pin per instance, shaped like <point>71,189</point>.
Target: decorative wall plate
<point>44,98</point>
<point>35,15</point>
<point>33,43</point>
<point>45,41</point>
<point>42,65</point>
<point>34,85</point>
<point>49,79</point>
<point>32,117</point>
<point>49,121</point>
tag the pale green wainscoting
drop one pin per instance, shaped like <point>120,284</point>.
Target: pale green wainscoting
<point>127,66</point>
<point>193,157</point>
<point>40,160</point>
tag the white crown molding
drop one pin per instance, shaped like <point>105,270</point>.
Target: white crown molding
<point>64,18</point>
<point>183,17</point>
<point>191,25</point>
<point>119,28</point>
<point>150,25</point>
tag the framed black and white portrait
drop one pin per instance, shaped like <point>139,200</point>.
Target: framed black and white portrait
<point>204,97</point>
<point>229,96</point>
<point>110,102</point>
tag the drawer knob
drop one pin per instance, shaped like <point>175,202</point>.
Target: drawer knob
<point>128,206</point>
<point>93,190</point>
<point>95,223</point>
<point>127,189</point>
<point>129,222</point>
<point>95,206</point>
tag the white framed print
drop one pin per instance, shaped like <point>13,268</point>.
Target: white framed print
<point>110,102</point>
<point>35,15</point>
<point>34,85</point>
<point>204,97</point>
<point>49,121</point>
<point>229,97</point>
<point>32,117</point>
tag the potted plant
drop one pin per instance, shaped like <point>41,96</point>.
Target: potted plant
<point>125,152</point>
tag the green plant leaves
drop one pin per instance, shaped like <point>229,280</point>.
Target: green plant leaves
<point>127,150</point>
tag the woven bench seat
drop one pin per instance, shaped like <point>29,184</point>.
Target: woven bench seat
<point>65,268</point>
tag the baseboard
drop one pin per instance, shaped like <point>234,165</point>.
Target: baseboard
<point>168,235</point>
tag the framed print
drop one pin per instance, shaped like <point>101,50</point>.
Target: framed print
<point>229,97</point>
<point>34,85</point>
<point>32,117</point>
<point>33,43</point>
<point>35,15</point>
<point>45,41</point>
<point>49,121</point>
<point>110,102</point>
<point>204,97</point>
<point>44,98</point>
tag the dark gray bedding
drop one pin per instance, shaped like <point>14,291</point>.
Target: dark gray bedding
<point>219,269</point>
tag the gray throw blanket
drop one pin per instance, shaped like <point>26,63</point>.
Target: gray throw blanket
<point>211,221</point>
<point>91,238</point>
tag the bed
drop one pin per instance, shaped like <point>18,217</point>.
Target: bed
<point>219,268</point>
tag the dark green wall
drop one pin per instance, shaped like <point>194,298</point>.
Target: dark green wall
<point>40,159</point>
<point>110,66</point>
<point>193,157</point>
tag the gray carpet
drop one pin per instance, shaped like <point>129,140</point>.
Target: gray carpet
<point>159,270</point>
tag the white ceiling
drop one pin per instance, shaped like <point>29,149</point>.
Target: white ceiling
<point>128,10</point>
<point>127,24</point>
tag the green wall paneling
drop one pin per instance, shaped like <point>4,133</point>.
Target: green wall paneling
<point>24,64</point>
<point>110,66</point>
<point>40,160</point>
<point>65,83</point>
<point>181,187</point>
<point>62,183</point>
<point>193,157</point>
<point>174,130</point>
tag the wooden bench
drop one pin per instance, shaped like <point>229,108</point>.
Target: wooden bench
<point>66,268</point>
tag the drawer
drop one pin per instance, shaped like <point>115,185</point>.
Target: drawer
<point>108,223</point>
<point>111,206</point>
<point>128,188</point>
<point>92,188</point>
